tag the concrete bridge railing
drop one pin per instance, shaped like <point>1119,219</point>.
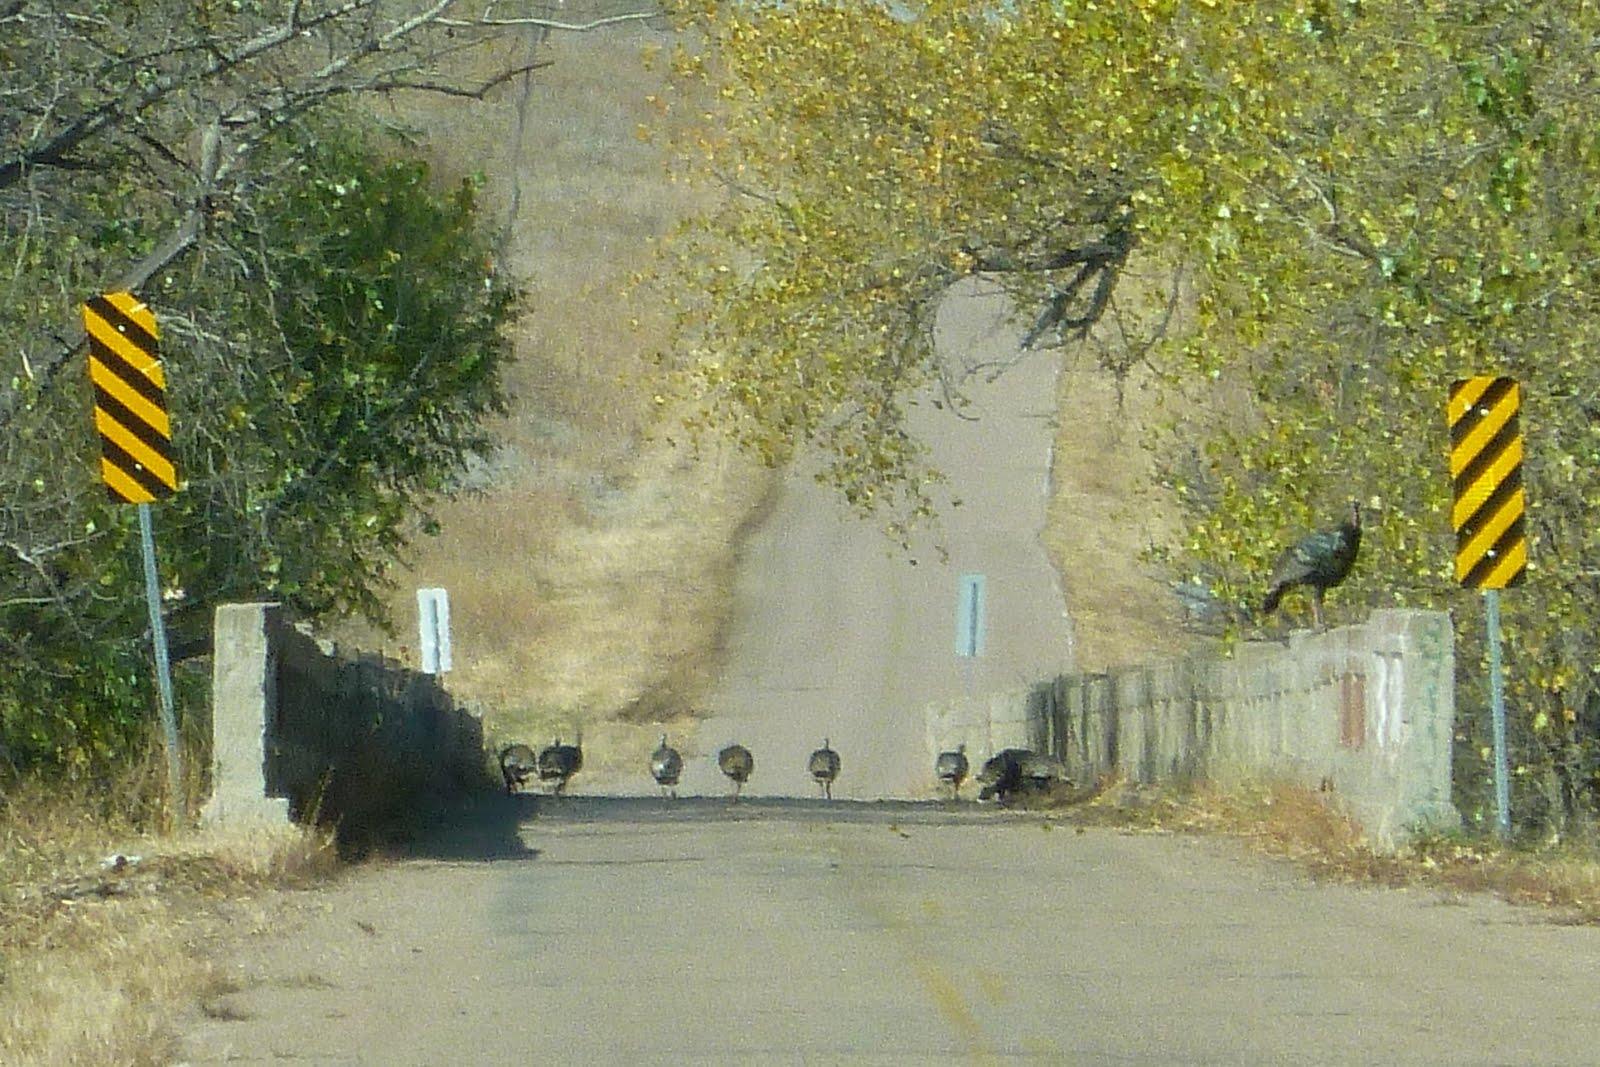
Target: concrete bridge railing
<point>1366,712</point>
<point>299,730</point>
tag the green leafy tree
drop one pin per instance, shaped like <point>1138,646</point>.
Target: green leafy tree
<point>1371,199</point>
<point>329,370</point>
<point>331,320</point>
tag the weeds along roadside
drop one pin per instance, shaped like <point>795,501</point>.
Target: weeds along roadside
<point>1307,828</point>
<point>99,954</point>
<point>98,958</point>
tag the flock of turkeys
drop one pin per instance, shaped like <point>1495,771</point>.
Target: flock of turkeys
<point>1317,562</point>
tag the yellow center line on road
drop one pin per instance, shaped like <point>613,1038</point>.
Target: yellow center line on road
<point>952,1005</point>
<point>941,989</point>
<point>908,923</point>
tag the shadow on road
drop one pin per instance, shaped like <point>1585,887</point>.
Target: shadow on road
<point>491,827</point>
<point>635,809</point>
<point>484,827</point>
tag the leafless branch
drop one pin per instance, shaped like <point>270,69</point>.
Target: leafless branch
<point>58,147</point>
<point>554,24</point>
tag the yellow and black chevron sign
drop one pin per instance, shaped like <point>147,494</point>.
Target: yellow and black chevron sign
<point>130,399</point>
<point>1486,466</point>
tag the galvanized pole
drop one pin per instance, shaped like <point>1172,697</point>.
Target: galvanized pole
<point>158,637</point>
<point>1497,709</point>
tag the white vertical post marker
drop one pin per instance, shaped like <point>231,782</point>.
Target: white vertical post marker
<point>433,625</point>
<point>970,610</point>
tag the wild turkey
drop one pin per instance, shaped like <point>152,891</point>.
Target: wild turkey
<point>951,767</point>
<point>558,763</point>
<point>737,763</point>
<point>517,765</point>
<point>666,766</point>
<point>1319,561</point>
<point>1014,770</point>
<point>824,767</point>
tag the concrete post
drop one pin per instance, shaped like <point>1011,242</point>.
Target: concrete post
<point>244,699</point>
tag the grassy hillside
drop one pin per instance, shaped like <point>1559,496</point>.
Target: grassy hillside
<point>589,574</point>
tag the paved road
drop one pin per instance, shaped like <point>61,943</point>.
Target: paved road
<point>635,931</point>
<point>835,632</point>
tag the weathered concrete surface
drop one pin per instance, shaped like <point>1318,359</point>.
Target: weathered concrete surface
<point>298,728</point>
<point>243,689</point>
<point>1365,712</point>
<point>611,931</point>
<point>837,633</point>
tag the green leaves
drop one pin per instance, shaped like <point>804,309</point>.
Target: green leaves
<point>330,366</point>
<point>1373,199</point>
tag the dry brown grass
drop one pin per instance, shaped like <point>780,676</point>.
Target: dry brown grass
<point>589,579</point>
<point>1307,828</point>
<point>1107,507</point>
<point>98,958</point>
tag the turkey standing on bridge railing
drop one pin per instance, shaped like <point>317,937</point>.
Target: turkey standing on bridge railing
<point>1321,561</point>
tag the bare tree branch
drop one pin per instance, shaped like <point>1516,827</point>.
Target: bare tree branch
<point>363,57</point>
<point>554,24</point>
<point>52,151</point>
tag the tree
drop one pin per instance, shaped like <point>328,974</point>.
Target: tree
<point>329,370</point>
<point>178,96</point>
<point>331,320</point>
<point>1371,198</point>
<point>874,156</point>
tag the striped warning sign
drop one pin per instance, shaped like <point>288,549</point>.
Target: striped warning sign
<point>130,399</point>
<point>1486,467</point>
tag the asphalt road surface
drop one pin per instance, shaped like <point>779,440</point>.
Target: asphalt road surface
<point>619,931</point>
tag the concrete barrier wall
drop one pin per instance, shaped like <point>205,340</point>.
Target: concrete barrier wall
<point>300,731</point>
<point>1365,712</point>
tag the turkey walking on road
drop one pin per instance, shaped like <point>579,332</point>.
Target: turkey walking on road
<point>1014,771</point>
<point>1319,561</point>
<point>558,763</point>
<point>737,763</point>
<point>517,765</point>
<point>824,767</point>
<point>666,766</point>
<point>952,767</point>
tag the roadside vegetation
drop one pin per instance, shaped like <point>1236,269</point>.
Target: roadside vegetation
<point>1301,825</point>
<point>1352,205</point>
<point>1307,217</point>
<point>108,928</point>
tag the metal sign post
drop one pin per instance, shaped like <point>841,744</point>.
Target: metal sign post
<point>158,638</point>
<point>1488,514</point>
<point>130,414</point>
<point>1497,710</point>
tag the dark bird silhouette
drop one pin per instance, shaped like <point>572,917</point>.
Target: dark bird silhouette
<point>666,766</point>
<point>737,763</point>
<point>517,765</point>
<point>1318,561</point>
<point>558,763</point>
<point>952,767</point>
<point>1013,771</point>
<point>824,767</point>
